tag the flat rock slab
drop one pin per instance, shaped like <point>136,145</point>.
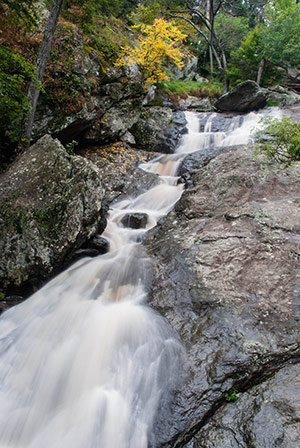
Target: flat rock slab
<point>227,278</point>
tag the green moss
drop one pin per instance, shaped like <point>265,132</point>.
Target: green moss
<point>272,103</point>
<point>50,220</point>
<point>14,218</point>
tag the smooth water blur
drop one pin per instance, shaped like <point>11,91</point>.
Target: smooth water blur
<point>84,362</point>
<point>239,131</point>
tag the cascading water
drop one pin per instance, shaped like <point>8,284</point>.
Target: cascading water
<point>223,130</point>
<point>85,363</point>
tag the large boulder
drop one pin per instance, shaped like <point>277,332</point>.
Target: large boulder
<point>226,277</point>
<point>51,202</point>
<point>119,166</point>
<point>245,97</point>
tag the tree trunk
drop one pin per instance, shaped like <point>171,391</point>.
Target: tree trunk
<point>260,71</point>
<point>33,92</point>
<point>209,18</point>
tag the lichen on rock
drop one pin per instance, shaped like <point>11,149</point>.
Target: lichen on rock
<point>226,277</point>
<point>51,203</point>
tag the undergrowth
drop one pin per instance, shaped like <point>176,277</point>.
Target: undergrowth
<point>199,89</point>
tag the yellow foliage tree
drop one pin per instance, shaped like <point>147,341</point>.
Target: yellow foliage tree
<point>157,44</point>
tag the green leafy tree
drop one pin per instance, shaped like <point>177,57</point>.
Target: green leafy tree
<point>269,46</point>
<point>231,31</point>
<point>145,13</point>
<point>281,34</point>
<point>246,60</point>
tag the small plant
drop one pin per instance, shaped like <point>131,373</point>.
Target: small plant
<point>2,294</point>
<point>280,139</point>
<point>70,147</point>
<point>231,395</point>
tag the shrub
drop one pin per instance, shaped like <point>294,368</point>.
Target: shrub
<point>280,139</point>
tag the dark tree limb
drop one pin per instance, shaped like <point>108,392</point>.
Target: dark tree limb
<point>34,91</point>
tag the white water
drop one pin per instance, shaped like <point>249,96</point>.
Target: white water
<point>84,363</point>
<point>238,132</point>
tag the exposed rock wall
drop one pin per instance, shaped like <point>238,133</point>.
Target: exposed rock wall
<point>111,105</point>
<point>226,277</point>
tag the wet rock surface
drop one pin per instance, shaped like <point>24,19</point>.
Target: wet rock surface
<point>51,203</point>
<point>266,416</point>
<point>199,159</point>
<point>226,277</point>
<point>135,220</point>
<point>159,129</point>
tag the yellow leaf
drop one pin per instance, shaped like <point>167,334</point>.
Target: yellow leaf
<point>158,43</point>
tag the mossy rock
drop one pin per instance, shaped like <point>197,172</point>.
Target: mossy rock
<point>51,203</point>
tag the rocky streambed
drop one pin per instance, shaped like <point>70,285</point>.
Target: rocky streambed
<point>226,277</point>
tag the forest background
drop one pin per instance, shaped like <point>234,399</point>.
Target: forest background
<point>233,41</point>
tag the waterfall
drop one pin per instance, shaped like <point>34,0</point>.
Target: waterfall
<point>223,130</point>
<point>84,362</point>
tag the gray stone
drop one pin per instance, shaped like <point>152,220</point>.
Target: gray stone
<point>267,415</point>
<point>99,243</point>
<point>189,70</point>
<point>51,203</point>
<point>113,124</point>
<point>128,138</point>
<point>158,129</point>
<point>245,97</point>
<point>282,97</point>
<point>199,78</point>
<point>226,277</point>
<point>135,220</point>
<point>192,102</point>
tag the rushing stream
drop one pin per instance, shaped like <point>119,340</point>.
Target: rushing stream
<point>84,362</point>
